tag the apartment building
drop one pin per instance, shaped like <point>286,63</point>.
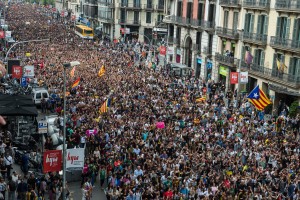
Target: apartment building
<point>270,31</point>
<point>191,26</point>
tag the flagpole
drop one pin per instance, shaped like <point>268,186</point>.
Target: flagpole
<point>240,65</point>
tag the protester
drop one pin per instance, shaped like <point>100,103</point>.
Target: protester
<point>156,140</point>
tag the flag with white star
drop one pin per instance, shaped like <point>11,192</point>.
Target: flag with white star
<point>258,98</point>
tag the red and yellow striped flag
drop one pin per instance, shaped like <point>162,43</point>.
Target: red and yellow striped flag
<point>76,83</point>
<point>101,71</point>
<point>72,72</point>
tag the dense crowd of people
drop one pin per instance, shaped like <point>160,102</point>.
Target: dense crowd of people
<point>157,141</point>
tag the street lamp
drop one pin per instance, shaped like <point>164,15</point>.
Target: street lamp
<point>65,65</point>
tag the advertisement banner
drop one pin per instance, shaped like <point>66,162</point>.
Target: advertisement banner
<point>234,77</point>
<point>163,50</point>
<point>243,77</point>
<point>52,161</point>
<point>75,158</point>
<point>223,71</point>
<point>2,34</point>
<point>28,71</point>
<point>170,50</point>
<point>17,71</point>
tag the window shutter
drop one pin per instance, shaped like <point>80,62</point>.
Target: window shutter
<point>246,28</point>
<point>291,66</point>
<point>256,56</point>
<point>278,34</point>
<point>266,25</point>
<point>295,29</point>
<point>259,21</point>
<point>287,28</point>
<point>251,23</point>
<point>243,54</point>
<point>262,58</point>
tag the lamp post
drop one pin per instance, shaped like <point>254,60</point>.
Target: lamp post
<point>66,65</point>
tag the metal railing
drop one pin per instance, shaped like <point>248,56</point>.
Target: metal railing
<point>106,18</point>
<point>227,60</point>
<point>231,3</point>
<point>202,23</point>
<point>288,5</point>
<point>284,43</point>
<point>136,5</point>
<point>228,33</point>
<point>131,22</point>
<point>255,38</point>
<point>271,73</point>
<point>148,6</point>
<point>264,4</point>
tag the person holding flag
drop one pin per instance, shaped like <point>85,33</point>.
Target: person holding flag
<point>258,98</point>
<point>101,71</point>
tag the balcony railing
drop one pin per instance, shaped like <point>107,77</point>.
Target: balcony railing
<point>136,5</point>
<point>273,74</point>
<point>288,5</point>
<point>227,60</point>
<point>148,6</point>
<point>129,22</point>
<point>255,38</point>
<point>257,4</point>
<point>197,47</point>
<point>230,3</point>
<point>202,23</point>
<point>285,44</point>
<point>106,18</point>
<point>228,33</point>
<point>160,7</point>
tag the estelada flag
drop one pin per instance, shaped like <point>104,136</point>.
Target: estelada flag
<point>105,106</point>
<point>76,83</point>
<point>101,71</point>
<point>72,72</point>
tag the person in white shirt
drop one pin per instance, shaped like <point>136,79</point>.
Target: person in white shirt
<point>8,160</point>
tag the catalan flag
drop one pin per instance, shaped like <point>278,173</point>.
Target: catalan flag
<point>200,99</point>
<point>280,65</point>
<point>258,98</point>
<point>76,83</point>
<point>105,106</point>
<point>101,71</point>
<point>72,72</point>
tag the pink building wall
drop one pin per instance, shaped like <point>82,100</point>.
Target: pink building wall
<point>195,9</point>
<point>184,8</point>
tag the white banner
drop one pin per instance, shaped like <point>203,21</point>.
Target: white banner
<point>170,50</point>
<point>28,71</point>
<point>243,77</point>
<point>75,158</point>
<point>7,34</point>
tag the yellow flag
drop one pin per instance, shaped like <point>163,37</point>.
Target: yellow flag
<point>101,71</point>
<point>72,72</point>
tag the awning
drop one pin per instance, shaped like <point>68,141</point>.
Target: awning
<point>283,90</point>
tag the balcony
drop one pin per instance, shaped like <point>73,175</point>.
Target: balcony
<point>207,51</point>
<point>129,22</point>
<point>227,60</point>
<point>197,47</point>
<point>131,6</point>
<point>106,19</point>
<point>292,6</point>
<point>160,7</point>
<point>148,7</point>
<point>272,75</point>
<point>230,3</point>
<point>202,24</point>
<point>285,44</point>
<point>103,2</point>
<point>255,38</point>
<point>263,5</point>
<point>227,33</point>
<point>91,2</point>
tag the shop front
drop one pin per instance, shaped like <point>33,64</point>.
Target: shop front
<point>223,74</point>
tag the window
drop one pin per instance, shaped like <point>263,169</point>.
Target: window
<point>200,11</point>
<point>148,17</point>
<point>225,22</point>
<point>249,21</point>
<point>279,57</point>
<point>296,32</point>
<point>45,95</point>
<point>136,17</point>
<point>38,95</point>
<point>235,20</point>
<point>259,57</point>
<point>123,14</point>
<point>189,10</point>
<point>211,12</point>
<point>262,24</point>
<point>283,27</point>
<point>179,9</point>
<point>294,67</point>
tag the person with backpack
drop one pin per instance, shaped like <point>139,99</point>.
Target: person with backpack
<point>12,187</point>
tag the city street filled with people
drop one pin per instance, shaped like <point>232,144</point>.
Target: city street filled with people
<point>157,140</point>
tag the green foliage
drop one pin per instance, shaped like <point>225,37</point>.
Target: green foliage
<point>294,109</point>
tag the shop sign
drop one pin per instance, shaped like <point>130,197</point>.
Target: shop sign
<point>178,51</point>
<point>52,161</point>
<point>75,158</point>
<point>170,50</point>
<point>234,77</point>
<point>223,70</point>
<point>28,71</point>
<point>17,71</point>
<point>243,77</point>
